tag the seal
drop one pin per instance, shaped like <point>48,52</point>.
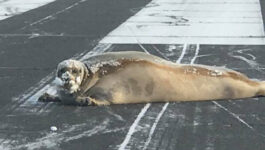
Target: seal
<point>137,77</point>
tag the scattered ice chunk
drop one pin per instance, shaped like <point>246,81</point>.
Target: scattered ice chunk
<point>172,47</point>
<point>53,128</point>
<point>52,90</point>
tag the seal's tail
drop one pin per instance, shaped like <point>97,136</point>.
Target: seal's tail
<point>261,91</point>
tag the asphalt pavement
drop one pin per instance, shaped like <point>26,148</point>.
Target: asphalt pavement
<point>33,43</point>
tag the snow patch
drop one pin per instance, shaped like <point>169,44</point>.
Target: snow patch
<point>58,81</point>
<point>215,73</point>
<point>10,8</point>
<point>94,68</point>
<point>78,80</point>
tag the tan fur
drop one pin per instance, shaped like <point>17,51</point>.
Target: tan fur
<point>177,83</point>
<point>135,77</point>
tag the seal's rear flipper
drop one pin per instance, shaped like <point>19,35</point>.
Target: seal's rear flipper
<point>261,91</point>
<point>48,98</point>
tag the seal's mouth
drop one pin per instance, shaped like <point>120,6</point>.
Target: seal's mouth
<point>70,74</point>
<point>69,82</point>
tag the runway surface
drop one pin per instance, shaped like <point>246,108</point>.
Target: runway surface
<point>223,33</point>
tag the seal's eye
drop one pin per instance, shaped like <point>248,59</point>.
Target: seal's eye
<point>61,71</point>
<point>74,71</point>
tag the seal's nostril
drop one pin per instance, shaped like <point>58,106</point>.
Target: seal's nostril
<point>65,79</point>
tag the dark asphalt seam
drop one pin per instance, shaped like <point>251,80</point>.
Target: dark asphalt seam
<point>47,35</point>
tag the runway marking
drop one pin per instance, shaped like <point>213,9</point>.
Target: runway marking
<point>54,14</point>
<point>152,130</point>
<point>239,119</point>
<point>203,22</point>
<point>29,98</point>
<point>166,104</point>
<point>196,54</point>
<point>133,126</point>
<point>239,54</point>
<point>10,8</point>
<point>138,42</point>
<point>234,115</point>
<point>207,1</point>
<point>182,54</point>
<point>140,115</point>
<point>143,111</point>
<point>19,100</point>
<point>146,107</point>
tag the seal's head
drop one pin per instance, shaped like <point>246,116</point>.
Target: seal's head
<point>70,74</point>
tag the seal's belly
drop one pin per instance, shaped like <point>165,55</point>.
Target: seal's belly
<point>140,83</point>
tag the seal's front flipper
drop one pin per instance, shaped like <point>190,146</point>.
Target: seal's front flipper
<point>88,101</point>
<point>83,101</point>
<point>48,98</point>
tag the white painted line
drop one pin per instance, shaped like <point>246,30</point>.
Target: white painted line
<point>152,130</point>
<point>145,50</point>
<point>199,30</point>
<point>196,54</point>
<point>207,1</point>
<point>10,8</point>
<point>201,14</point>
<point>182,54</point>
<point>133,127</point>
<point>143,111</point>
<point>191,40</point>
<point>31,96</point>
<point>178,20</point>
<point>234,115</point>
<point>202,22</point>
<point>204,7</point>
<point>56,13</point>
